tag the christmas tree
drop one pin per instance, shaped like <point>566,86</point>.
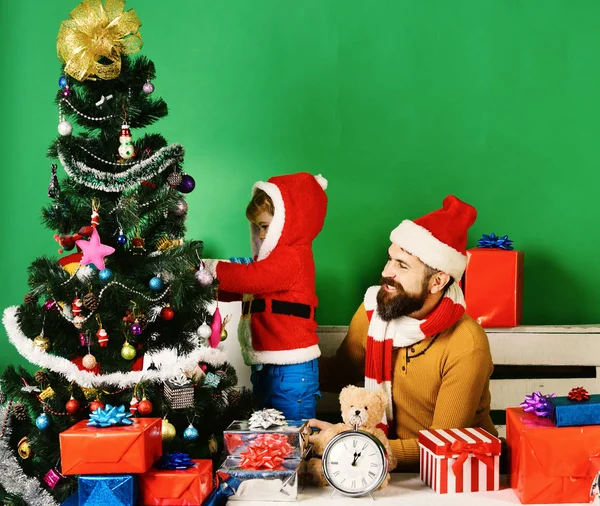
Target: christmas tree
<point>121,317</point>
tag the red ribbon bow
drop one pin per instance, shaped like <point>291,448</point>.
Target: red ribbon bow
<point>266,451</point>
<point>578,394</point>
<point>481,451</point>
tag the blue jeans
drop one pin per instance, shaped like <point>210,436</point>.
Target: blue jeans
<point>293,389</point>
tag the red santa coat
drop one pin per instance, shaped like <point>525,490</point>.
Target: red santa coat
<point>280,327</point>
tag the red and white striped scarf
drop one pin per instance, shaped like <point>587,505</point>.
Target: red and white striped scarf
<point>402,332</point>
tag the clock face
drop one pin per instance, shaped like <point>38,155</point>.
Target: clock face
<point>355,463</point>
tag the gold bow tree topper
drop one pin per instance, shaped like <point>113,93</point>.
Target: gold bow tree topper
<point>91,41</point>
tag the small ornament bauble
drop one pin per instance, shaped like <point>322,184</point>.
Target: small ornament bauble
<point>41,377</point>
<point>105,275</point>
<point>89,361</point>
<point>97,404</point>
<point>128,351</point>
<point>20,412</point>
<point>213,446</point>
<point>72,406</point>
<point>224,334</point>
<point>204,331</point>
<point>30,298</point>
<point>134,404</point>
<point>77,306</point>
<point>156,284</point>
<point>23,448</point>
<point>145,407</point>
<point>148,87</point>
<point>187,184</point>
<point>62,82</point>
<point>65,128</point>
<point>168,430</point>
<point>67,91</point>
<point>126,149</point>
<point>136,328</point>
<point>102,336</point>
<point>167,313</point>
<point>91,302</point>
<point>122,239</point>
<point>78,322</point>
<point>180,207</point>
<point>84,339</point>
<point>204,277</point>
<point>191,433</point>
<point>42,422</point>
<point>52,477</point>
<point>174,179</point>
<point>42,342</point>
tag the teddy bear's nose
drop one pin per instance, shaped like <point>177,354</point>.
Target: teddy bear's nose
<point>357,412</point>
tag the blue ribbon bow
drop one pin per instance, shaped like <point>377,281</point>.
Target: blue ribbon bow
<point>110,416</point>
<point>175,461</point>
<point>493,241</point>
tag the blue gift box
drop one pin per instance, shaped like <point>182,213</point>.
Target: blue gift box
<point>566,413</point>
<point>107,490</point>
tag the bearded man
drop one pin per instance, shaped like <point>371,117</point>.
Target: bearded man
<point>412,338</point>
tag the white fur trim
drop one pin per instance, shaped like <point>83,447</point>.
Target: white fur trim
<point>323,183</point>
<point>283,357</point>
<point>420,242</point>
<point>87,379</point>
<point>276,226</point>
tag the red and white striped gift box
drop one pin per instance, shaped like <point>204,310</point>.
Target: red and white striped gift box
<point>460,460</point>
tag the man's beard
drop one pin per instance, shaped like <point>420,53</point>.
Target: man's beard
<point>390,307</point>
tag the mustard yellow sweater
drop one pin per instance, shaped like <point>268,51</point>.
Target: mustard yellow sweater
<point>440,382</point>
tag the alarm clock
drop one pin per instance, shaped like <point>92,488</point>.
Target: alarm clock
<point>355,463</point>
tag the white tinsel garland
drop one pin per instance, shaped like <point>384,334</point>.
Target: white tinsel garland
<point>12,477</point>
<point>108,182</point>
<point>87,379</point>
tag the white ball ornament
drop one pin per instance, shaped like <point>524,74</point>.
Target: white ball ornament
<point>65,128</point>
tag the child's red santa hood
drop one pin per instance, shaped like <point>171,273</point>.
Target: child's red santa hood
<point>300,206</point>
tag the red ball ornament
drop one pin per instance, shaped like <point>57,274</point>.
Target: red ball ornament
<point>145,407</point>
<point>97,404</point>
<point>167,313</point>
<point>72,406</point>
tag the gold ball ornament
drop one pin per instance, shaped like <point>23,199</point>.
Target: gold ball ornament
<point>128,351</point>
<point>23,448</point>
<point>168,430</point>
<point>89,361</point>
<point>223,334</point>
<point>213,446</point>
<point>42,342</point>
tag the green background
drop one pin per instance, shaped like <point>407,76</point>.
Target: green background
<point>397,103</point>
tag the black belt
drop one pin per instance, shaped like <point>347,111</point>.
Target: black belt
<point>278,307</point>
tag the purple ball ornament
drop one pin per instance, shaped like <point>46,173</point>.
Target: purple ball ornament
<point>187,184</point>
<point>136,328</point>
<point>67,91</point>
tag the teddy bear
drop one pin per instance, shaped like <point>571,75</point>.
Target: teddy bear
<point>359,406</point>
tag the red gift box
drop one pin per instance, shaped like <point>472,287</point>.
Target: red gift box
<point>460,460</point>
<point>550,464</point>
<point>494,287</point>
<point>124,449</point>
<point>186,487</point>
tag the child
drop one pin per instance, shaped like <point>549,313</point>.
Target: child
<point>277,331</point>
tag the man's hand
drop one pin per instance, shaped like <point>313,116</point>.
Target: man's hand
<point>313,423</point>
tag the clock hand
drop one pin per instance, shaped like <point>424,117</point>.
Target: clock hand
<point>356,456</point>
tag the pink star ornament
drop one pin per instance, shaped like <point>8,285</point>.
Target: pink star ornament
<point>94,251</point>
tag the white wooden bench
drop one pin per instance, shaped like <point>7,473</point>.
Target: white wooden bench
<point>550,359</point>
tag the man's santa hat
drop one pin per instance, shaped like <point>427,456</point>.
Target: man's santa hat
<point>439,238</point>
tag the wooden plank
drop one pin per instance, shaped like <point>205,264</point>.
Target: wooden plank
<point>510,346</point>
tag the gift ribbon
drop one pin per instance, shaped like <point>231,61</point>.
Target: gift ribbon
<point>267,451</point>
<point>537,403</point>
<point>226,487</point>
<point>493,241</point>
<point>481,451</point>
